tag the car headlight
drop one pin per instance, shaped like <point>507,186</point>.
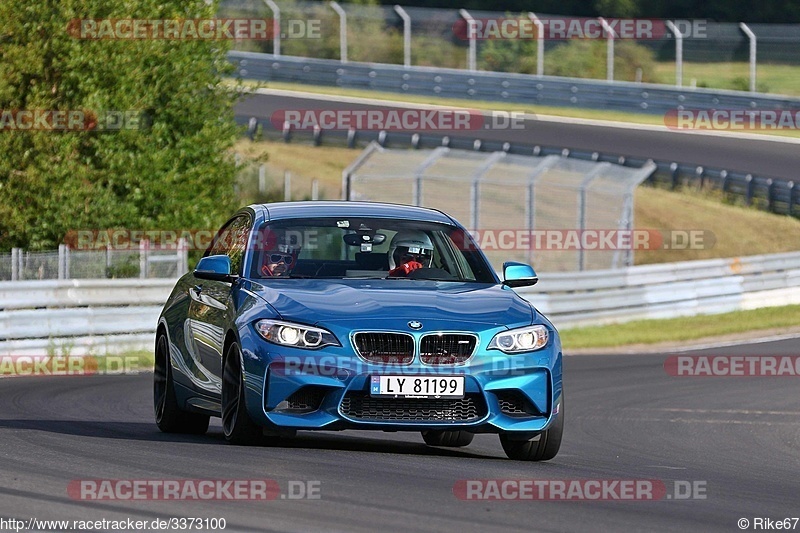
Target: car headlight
<point>295,335</point>
<point>527,339</point>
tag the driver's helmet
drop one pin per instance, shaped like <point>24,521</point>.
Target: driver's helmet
<point>410,245</point>
<point>278,253</point>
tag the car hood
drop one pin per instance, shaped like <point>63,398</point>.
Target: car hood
<point>323,301</point>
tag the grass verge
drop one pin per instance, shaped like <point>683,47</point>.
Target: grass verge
<point>680,329</point>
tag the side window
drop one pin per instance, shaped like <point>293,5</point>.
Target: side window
<point>232,241</point>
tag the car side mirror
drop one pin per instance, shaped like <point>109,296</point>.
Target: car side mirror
<point>518,274</point>
<point>215,268</point>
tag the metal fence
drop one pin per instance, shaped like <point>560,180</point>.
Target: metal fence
<point>768,194</point>
<point>422,36</point>
<point>494,193</point>
<point>142,262</point>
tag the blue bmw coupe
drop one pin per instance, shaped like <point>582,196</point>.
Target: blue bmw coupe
<point>355,315</point>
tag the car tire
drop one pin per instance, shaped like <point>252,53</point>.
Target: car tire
<point>543,448</point>
<point>450,439</point>
<point>237,426</point>
<point>170,418</point>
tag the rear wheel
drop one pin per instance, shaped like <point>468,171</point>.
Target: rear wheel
<point>237,426</point>
<point>170,418</point>
<point>450,439</point>
<point>542,448</point>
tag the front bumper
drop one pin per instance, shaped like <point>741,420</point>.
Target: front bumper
<point>318,390</point>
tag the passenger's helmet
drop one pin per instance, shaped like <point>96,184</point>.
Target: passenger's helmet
<point>410,245</point>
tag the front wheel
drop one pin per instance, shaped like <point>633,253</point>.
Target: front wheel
<point>170,418</point>
<point>450,439</point>
<point>237,426</point>
<point>543,448</point>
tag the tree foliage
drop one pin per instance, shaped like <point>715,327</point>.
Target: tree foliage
<point>176,172</point>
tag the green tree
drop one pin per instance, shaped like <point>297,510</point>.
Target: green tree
<point>177,172</point>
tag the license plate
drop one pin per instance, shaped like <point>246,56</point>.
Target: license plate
<point>418,387</point>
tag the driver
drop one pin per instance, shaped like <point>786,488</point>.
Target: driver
<point>409,250</point>
<point>279,255</point>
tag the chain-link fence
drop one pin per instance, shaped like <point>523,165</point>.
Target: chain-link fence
<point>558,213</point>
<point>65,263</point>
<point>714,54</point>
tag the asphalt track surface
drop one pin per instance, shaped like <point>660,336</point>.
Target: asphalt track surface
<point>768,158</point>
<point>627,419</point>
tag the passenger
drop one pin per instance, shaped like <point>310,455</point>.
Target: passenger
<point>279,257</point>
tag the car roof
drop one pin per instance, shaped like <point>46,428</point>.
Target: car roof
<point>344,208</point>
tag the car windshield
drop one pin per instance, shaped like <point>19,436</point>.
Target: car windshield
<point>366,248</point>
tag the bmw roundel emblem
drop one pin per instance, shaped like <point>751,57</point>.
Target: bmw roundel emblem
<point>415,324</point>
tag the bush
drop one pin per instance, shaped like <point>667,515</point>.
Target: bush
<point>587,59</point>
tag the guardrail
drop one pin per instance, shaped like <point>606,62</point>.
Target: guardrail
<point>80,317</point>
<point>110,316</point>
<point>667,290</point>
<point>499,86</point>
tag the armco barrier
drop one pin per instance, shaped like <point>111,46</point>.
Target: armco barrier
<point>667,290</point>
<point>110,316</point>
<point>498,86</point>
<point>77,317</point>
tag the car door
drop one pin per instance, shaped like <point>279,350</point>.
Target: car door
<point>211,304</point>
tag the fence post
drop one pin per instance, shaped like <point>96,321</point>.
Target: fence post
<point>675,171</point>
<point>610,35</point>
<point>700,176</point>
<point>315,189</point>
<point>183,257</point>
<point>62,261</point>
<point>276,27</point>
<point>678,53</point>
<point>342,31</point>
<point>262,179</point>
<point>771,195</point>
<point>750,189</point>
<point>287,186</point>
<point>144,246</point>
<point>406,35</point>
<point>16,264</point>
<point>539,43</point>
<point>792,186</point>
<point>472,31</point>
<point>752,36</point>
<point>108,260</point>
